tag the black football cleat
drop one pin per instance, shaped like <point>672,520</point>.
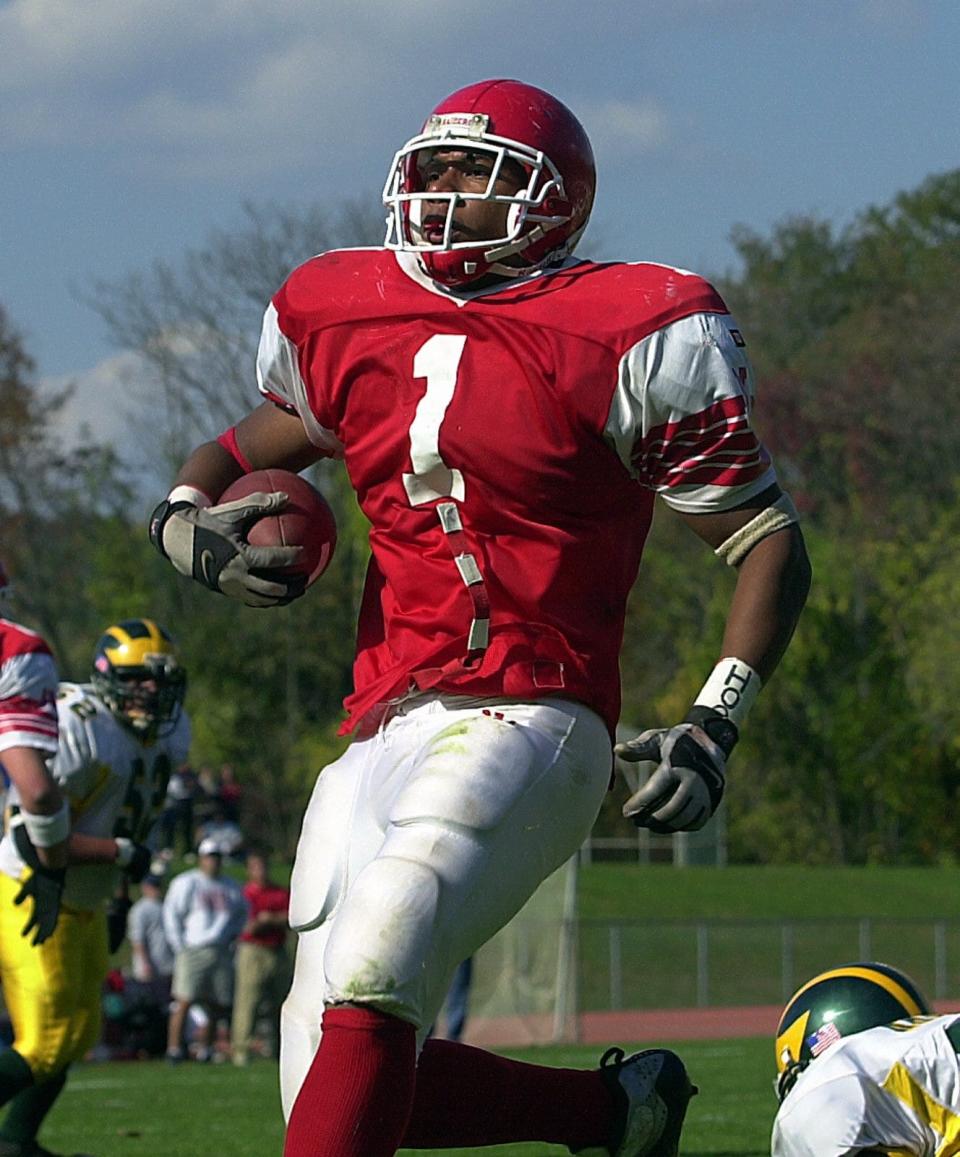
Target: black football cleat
<point>651,1091</point>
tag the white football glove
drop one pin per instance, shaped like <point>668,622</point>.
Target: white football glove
<point>208,544</point>
<point>686,766</point>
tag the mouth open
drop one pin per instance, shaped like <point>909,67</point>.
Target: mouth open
<point>433,227</point>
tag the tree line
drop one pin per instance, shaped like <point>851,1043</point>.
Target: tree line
<point>850,756</point>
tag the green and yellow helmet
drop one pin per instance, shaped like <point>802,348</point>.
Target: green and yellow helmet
<point>137,674</point>
<point>836,1004</point>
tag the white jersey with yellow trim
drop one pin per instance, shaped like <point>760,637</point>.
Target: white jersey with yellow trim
<point>114,782</point>
<point>895,1089</point>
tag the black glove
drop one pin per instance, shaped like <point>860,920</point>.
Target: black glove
<point>208,544</point>
<point>117,911</point>
<point>139,863</point>
<point>687,765</point>
<point>43,885</point>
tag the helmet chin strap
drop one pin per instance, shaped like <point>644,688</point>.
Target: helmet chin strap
<point>517,246</point>
<point>497,267</point>
<point>495,256</point>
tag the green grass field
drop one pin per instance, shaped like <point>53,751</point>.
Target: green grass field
<point>147,1109</point>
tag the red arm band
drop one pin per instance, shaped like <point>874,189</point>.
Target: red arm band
<point>228,440</point>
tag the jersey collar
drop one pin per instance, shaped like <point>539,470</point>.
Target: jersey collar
<point>409,265</point>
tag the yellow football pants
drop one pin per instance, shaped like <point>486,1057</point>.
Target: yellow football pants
<point>52,991</point>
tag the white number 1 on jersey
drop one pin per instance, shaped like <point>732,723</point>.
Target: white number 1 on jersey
<point>437,360</point>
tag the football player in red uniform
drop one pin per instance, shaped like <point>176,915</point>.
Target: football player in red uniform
<point>36,811</point>
<point>506,414</point>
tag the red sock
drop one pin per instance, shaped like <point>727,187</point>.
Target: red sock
<point>466,1096</point>
<point>356,1099</point>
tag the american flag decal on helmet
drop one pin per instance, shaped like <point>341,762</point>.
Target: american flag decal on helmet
<point>826,1035</point>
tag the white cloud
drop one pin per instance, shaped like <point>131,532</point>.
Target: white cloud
<point>631,127</point>
<point>104,401</point>
<point>112,404</point>
<point>206,84</point>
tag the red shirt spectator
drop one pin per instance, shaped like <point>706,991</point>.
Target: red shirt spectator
<point>261,967</point>
<point>267,924</point>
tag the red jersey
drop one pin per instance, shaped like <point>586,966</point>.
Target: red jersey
<point>506,446</point>
<point>266,898</point>
<point>28,690</point>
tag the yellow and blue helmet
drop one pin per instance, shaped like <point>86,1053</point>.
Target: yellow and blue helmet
<point>838,1003</point>
<point>137,674</point>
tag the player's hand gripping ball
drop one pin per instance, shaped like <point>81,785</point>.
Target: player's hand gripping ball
<point>306,521</point>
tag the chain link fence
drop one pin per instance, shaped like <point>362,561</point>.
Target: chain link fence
<point>646,964</point>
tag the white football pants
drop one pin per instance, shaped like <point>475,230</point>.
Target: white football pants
<point>420,843</point>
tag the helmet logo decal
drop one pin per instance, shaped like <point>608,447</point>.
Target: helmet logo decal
<point>825,1036</point>
<point>460,124</point>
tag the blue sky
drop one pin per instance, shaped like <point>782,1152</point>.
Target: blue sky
<point>131,129</point>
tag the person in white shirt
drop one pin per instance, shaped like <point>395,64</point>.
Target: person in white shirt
<point>203,914</point>
<point>864,1068</point>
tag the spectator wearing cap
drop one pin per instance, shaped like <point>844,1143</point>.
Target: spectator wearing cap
<point>151,962</point>
<point>262,966</point>
<point>203,914</point>
<point>224,832</point>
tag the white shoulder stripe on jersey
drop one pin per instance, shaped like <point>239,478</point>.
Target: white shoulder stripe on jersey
<point>278,374</point>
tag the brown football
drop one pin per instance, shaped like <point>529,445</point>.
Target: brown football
<point>306,521</point>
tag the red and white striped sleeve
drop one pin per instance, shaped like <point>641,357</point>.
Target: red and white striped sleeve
<point>28,691</point>
<point>680,417</point>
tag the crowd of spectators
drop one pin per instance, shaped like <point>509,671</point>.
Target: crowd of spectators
<point>209,967</point>
<point>208,963</point>
<point>201,803</point>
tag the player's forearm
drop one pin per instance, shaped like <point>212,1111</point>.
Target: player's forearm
<point>268,436</point>
<point>209,469</point>
<point>41,802</point>
<point>772,585</point>
<point>38,790</point>
<point>84,849</point>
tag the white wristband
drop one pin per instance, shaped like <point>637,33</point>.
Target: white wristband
<point>45,831</point>
<point>731,689</point>
<point>189,494</point>
<point>124,851</point>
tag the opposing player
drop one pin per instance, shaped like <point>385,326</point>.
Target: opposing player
<point>506,415</point>
<point>119,737</point>
<point>863,1068</point>
<point>36,812</point>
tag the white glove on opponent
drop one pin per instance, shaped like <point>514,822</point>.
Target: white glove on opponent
<point>208,544</point>
<point>686,766</point>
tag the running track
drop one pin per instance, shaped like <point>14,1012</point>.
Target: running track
<point>654,1025</point>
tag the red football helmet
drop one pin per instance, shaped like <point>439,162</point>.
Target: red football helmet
<point>512,121</point>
